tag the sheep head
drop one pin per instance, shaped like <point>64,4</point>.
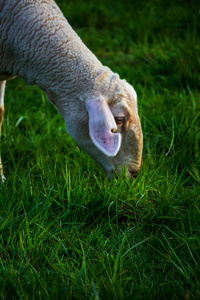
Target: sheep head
<point>107,126</point>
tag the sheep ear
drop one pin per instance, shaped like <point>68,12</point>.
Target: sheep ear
<point>101,125</point>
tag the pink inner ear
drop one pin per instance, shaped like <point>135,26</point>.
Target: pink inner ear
<point>101,122</point>
<point>108,142</point>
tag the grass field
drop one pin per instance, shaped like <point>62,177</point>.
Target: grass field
<point>68,233</point>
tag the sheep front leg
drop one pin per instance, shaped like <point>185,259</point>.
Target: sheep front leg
<point>2,89</point>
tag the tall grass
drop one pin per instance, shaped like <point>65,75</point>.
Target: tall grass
<point>68,233</point>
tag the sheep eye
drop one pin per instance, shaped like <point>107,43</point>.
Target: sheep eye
<point>120,120</point>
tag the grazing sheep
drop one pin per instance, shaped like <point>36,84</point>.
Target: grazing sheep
<point>99,109</point>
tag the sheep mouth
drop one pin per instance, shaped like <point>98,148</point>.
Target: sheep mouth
<point>131,174</point>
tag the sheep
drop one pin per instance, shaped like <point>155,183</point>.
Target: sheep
<point>99,109</point>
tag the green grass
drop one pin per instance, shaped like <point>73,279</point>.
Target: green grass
<point>68,233</point>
